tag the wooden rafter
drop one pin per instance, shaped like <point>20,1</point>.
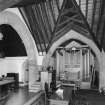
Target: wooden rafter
<point>93,14</point>
<point>57,22</point>
<point>24,3</point>
<point>86,8</point>
<point>41,20</point>
<point>68,10</point>
<point>46,18</point>
<point>61,32</point>
<point>101,11</point>
<point>103,34</point>
<point>51,10</point>
<point>59,17</point>
<point>29,13</point>
<point>57,3</point>
<point>38,24</point>
<point>80,3</point>
<point>72,19</point>
<point>86,23</point>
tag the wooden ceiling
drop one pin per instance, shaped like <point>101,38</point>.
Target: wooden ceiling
<point>48,20</point>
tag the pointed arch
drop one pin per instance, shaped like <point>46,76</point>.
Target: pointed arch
<point>16,23</point>
<point>72,35</point>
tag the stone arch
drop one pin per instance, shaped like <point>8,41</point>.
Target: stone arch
<point>48,60</point>
<point>15,22</point>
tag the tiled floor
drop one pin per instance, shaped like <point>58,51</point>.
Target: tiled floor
<point>18,97</point>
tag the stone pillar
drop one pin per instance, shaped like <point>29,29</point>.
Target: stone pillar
<point>81,64</point>
<point>57,59</point>
<point>102,72</point>
<point>88,57</point>
<point>32,73</point>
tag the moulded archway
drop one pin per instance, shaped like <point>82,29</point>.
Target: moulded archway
<point>16,23</point>
<point>48,60</point>
<point>72,35</point>
<point>13,20</point>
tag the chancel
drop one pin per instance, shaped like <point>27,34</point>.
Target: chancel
<point>52,52</point>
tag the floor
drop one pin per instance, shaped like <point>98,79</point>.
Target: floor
<point>81,97</point>
<point>84,97</point>
<point>17,97</point>
<point>88,97</point>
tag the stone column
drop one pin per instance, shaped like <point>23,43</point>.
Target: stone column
<point>57,59</point>
<point>88,56</point>
<point>102,71</point>
<point>32,73</point>
<point>81,65</point>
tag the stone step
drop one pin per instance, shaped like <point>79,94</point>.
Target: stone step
<point>34,90</point>
<point>85,85</point>
<point>35,87</point>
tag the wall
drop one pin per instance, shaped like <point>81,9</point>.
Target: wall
<point>14,65</point>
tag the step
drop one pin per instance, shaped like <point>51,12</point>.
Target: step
<point>34,90</point>
<point>85,85</point>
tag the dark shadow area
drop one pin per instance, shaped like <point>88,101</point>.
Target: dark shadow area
<point>88,97</point>
<point>11,45</point>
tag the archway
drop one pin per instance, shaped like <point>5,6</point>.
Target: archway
<point>48,60</point>
<point>14,21</point>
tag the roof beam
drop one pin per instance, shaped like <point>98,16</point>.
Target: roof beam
<point>103,34</point>
<point>46,18</point>
<point>101,11</point>
<point>86,23</point>
<point>42,25</point>
<point>72,19</point>
<point>50,7</point>
<point>94,10</point>
<point>57,3</point>
<point>4,4</point>
<point>68,10</point>
<point>61,32</point>
<point>32,25</point>
<point>57,22</point>
<point>86,8</point>
<point>80,3</point>
<point>37,22</point>
<point>24,3</point>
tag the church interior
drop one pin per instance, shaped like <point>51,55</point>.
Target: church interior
<point>52,52</point>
